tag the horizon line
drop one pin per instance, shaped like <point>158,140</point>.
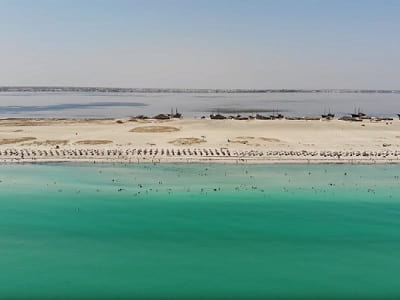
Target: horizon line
<point>53,88</point>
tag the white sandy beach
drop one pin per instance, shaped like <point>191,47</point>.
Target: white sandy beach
<point>199,140</point>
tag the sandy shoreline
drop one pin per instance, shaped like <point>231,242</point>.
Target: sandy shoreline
<point>199,140</point>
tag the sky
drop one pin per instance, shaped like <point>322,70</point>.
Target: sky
<point>252,44</point>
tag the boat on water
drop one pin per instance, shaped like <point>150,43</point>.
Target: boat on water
<point>328,116</point>
<point>161,117</point>
<point>239,117</point>
<point>352,119</point>
<point>217,117</point>
<point>277,116</point>
<point>261,117</point>
<point>360,115</point>
<point>294,118</point>
<point>176,115</point>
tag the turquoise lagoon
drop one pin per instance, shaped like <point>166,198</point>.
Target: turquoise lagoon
<point>197,231</point>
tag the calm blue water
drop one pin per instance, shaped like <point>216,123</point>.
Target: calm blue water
<point>192,231</point>
<point>58,104</point>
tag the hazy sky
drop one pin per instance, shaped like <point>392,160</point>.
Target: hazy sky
<point>201,44</point>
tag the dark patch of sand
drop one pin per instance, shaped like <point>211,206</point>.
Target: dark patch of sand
<point>154,129</point>
<point>187,141</point>
<point>93,142</point>
<point>16,140</point>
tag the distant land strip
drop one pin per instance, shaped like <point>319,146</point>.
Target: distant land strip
<point>178,90</point>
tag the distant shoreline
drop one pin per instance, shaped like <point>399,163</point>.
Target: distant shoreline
<point>181,90</point>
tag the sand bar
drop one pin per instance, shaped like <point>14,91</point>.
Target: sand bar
<point>199,140</point>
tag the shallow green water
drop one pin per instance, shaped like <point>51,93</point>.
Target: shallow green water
<point>199,231</point>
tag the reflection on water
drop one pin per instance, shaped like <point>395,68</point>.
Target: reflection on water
<point>92,104</point>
